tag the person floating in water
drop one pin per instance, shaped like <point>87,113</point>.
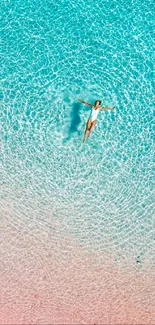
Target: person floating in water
<point>93,116</point>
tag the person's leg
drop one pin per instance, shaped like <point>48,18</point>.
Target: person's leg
<point>92,127</point>
<point>88,126</point>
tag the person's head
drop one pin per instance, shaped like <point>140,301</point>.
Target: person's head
<point>97,102</point>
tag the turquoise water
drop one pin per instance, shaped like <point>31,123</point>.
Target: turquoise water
<point>52,53</point>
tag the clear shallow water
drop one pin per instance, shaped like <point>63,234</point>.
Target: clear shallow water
<point>100,192</point>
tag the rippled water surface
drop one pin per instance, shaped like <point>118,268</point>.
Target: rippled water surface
<point>101,193</point>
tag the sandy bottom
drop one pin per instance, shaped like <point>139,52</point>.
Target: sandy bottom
<point>47,277</point>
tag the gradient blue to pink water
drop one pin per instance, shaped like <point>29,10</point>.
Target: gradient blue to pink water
<point>52,53</point>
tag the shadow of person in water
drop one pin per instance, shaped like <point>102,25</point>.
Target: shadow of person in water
<point>75,118</point>
<point>74,122</point>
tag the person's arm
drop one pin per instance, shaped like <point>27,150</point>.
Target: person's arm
<point>82,101</point>
<point>107,108</point>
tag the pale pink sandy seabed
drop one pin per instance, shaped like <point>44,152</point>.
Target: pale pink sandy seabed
<point>46,277</point>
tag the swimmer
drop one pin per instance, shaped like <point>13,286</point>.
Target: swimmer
<point>93,116</point>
